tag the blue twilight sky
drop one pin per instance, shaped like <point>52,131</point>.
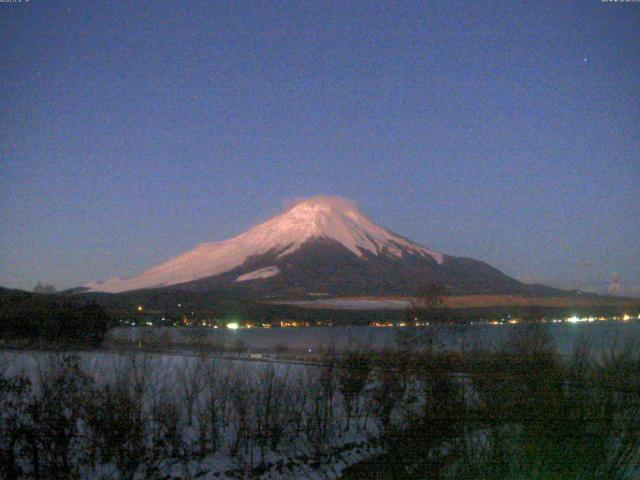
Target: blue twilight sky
<point>131,131</point>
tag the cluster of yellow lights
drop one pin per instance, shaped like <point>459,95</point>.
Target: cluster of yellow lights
<point>576,319</point>
<point>382,324</point>
<point>572,319</point>
<point>515,321</point>
<point>235,325</point>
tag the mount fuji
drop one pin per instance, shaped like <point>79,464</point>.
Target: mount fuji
<point>322,246</point>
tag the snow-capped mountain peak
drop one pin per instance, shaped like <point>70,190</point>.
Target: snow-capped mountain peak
<point>341,220</point>
<point>332,218</point>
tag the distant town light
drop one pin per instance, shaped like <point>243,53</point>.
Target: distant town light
<point>139,308</point>
<point>232,326</point>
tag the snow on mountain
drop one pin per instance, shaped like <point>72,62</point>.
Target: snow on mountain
<point>257,274</point>
<point>332,218</point>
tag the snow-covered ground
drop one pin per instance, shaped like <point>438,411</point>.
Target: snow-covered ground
<point>251,403</point>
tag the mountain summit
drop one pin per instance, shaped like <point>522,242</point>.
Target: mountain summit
<point>320,245</point>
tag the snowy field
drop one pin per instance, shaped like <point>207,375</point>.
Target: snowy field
<point>194,416</point>
<point>604,336</point>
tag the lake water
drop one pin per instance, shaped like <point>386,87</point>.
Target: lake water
<point>604,335</point>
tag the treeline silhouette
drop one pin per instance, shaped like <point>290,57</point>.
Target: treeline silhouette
<point>51,318</point>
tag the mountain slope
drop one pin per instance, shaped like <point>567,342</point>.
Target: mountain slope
<point>323,245</point>
<point>319,217</point>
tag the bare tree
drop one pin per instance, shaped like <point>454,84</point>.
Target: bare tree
<point>58,411</point>
<point>190,379</point>
<point>210,410</point>
<point>425,317</point>
<point>353,373</point>
<point>166,427</point>
<point>46,288</point>
<point>239,392</point>
<point>320,420</point>
<point>270,410</point>
<point>298,401</point>
<point>427,299</point>
<point>389,388</point>
<point>118,417</point>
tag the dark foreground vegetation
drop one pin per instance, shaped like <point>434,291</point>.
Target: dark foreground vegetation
<point>48,318</point>
<point>529,414</point>
<point>521,412</point>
